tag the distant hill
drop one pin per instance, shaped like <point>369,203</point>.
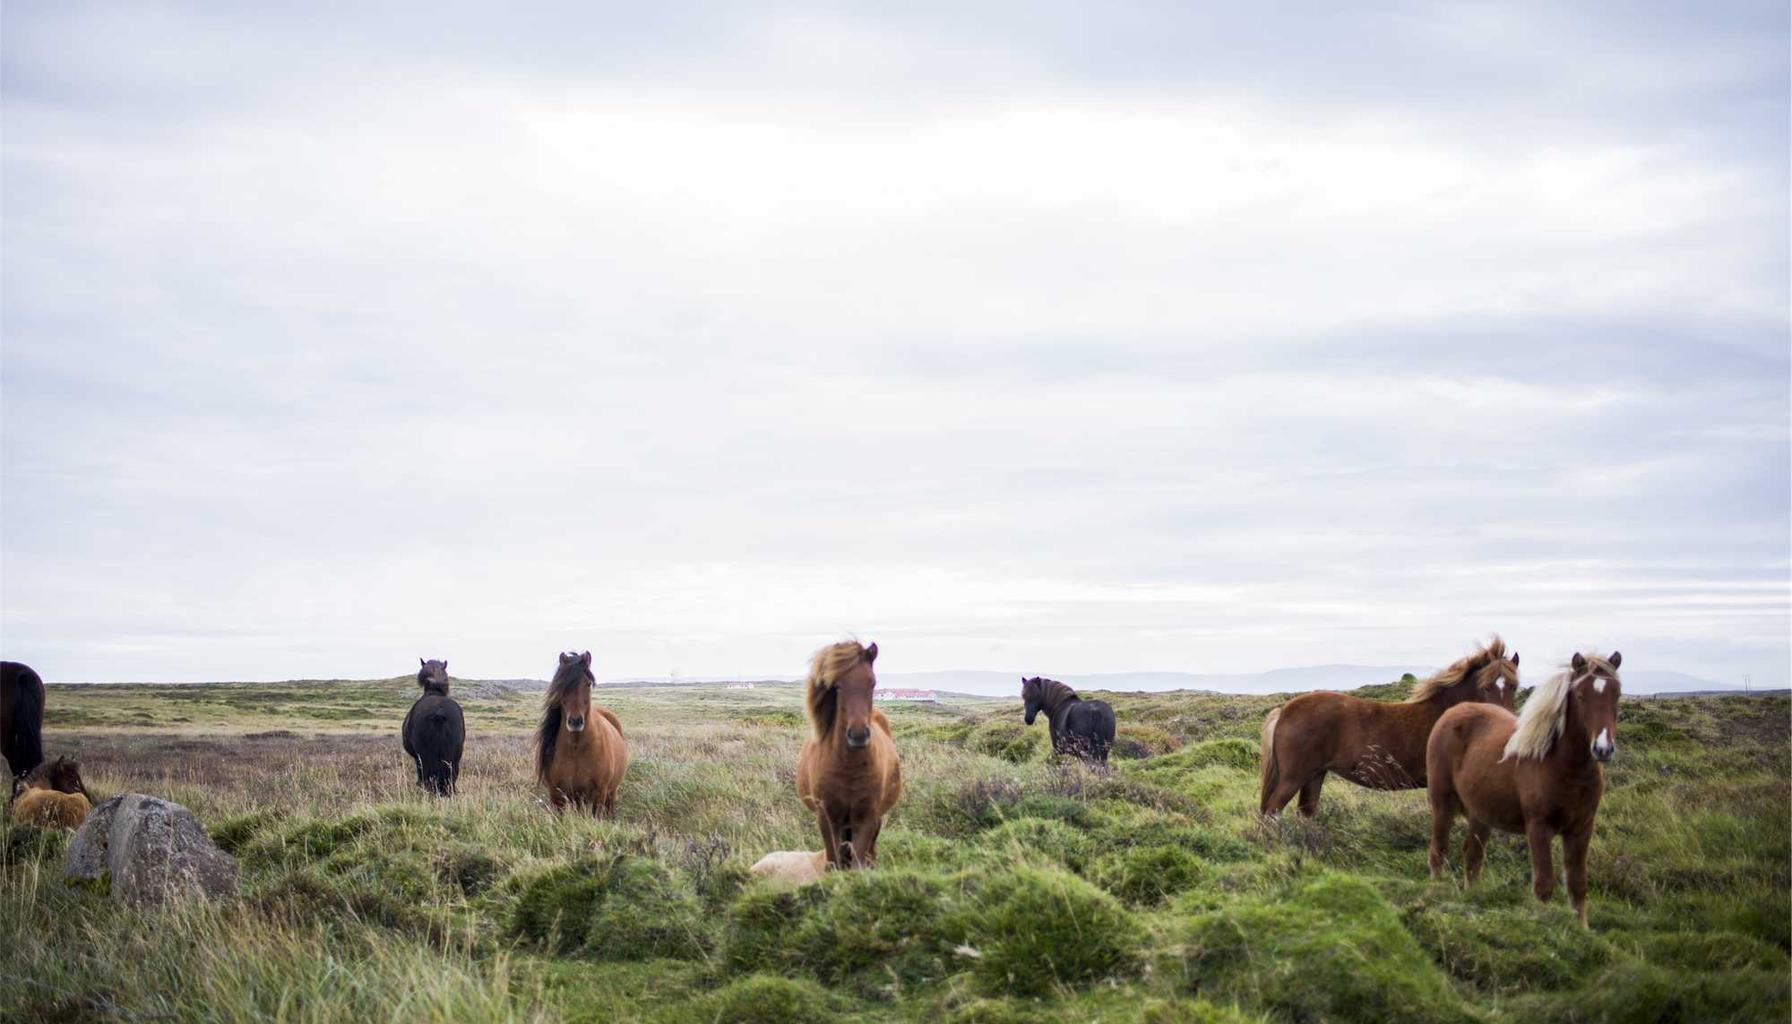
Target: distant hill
<point>1637,682</point>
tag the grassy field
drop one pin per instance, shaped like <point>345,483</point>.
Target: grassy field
<point>1010,889</point>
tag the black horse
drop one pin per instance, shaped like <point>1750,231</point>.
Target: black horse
<point>1081,727</point>
<point>21,717</point>
<point>434,731</point>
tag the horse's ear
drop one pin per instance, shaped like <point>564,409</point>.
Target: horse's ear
<point>422,664</point>
<point>1616,659</point>
<point>1578,663</point>
<point>1514,657</point>
<point>871,654</point>
<point>565,657</point>
<point>585,658</point>
<point>444,668</point>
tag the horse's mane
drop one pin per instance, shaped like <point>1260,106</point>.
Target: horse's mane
<point>1545,714</point>
<point>1463,670</point>
<point>825,669</point>
<point>547,735</point>
<point>1053,694</point>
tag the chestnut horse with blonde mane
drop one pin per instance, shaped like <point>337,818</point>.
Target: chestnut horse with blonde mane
<point>848,772</point>
<point>1373,743</point>
<point>1538,773</point>
<point>579,753</point>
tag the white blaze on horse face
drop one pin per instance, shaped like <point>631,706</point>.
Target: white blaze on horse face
<point>1598,684</point>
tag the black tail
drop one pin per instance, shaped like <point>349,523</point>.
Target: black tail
<point>25,733</point>
<point>438,744</point>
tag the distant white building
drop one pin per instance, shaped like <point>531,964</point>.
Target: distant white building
<point>920,696</point>
<point>740,686</point>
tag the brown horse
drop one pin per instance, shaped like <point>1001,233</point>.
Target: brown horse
<point>579,753</point>
<point>848,773</point>
<point>52,796</point>
<point>1537,773</point>
<point>1372,743</point>
<point>21,717</point>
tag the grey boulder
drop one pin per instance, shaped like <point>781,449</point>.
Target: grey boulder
<point>151,850</point>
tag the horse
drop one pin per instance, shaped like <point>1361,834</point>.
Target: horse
<point>52,795</point>
<point>1081,727</point>
<point>580,756</point>
<point>21,717</point>
<point>1538,773</point>
<point>434,732</point>
<point>1377,744</point>
<point>848,772</point>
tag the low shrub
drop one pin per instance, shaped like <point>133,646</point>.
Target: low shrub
<point>1510,949</point>
<point>628,908</point>
<point>758,999</point>
<point>1330,949</point>
<point>1026,838</point>
<point>1144,875</point>
<point>1011,741</point>
<point>886,921</point>
<point>1034,929</point>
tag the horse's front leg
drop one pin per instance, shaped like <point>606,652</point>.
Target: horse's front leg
<point>1574,852</point>
<point>829,844</point>
<point>1543,869</point>
<point>865,828</point>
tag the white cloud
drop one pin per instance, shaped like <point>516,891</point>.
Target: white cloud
<point>1070,369</point>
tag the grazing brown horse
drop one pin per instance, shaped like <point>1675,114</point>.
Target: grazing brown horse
<point>848,772</point>
<point>1372,743</point>
<point>21,717</point>
<point>1537,773</point>
<point>579,753</point>
<point>52,796</point>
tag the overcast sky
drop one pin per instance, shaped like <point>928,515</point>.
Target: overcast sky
<point>1047,338</point>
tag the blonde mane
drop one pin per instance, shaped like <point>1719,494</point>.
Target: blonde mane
<point>1545,714</point>
<point>825,669</point>
<point>1463,670</point>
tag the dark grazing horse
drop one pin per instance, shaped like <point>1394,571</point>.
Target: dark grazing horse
<point>1081,727</point>
<point>434,731</point>
<point>1538,773</point>
<point>21,717</point>
<point>1373,743</point>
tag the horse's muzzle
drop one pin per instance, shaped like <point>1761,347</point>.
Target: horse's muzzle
<point>1604,747</point>
<point>857,736</point>
<point>575,723</point>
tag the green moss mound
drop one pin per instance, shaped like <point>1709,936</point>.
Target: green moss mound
<point>1010,741</point>
<point>1510,950</point>
<point>1633,992</point>
<point>1145,875</point>
<point>760,928</point>
<point>1331,949</point>
<point>629,908</point>
<point>1709,950</point>
<point>1038,838</point>
<point>1035,929</point>
<point>758,999</point>
<point>887,922</point>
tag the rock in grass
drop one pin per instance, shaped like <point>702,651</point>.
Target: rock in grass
<point>152,850</point>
